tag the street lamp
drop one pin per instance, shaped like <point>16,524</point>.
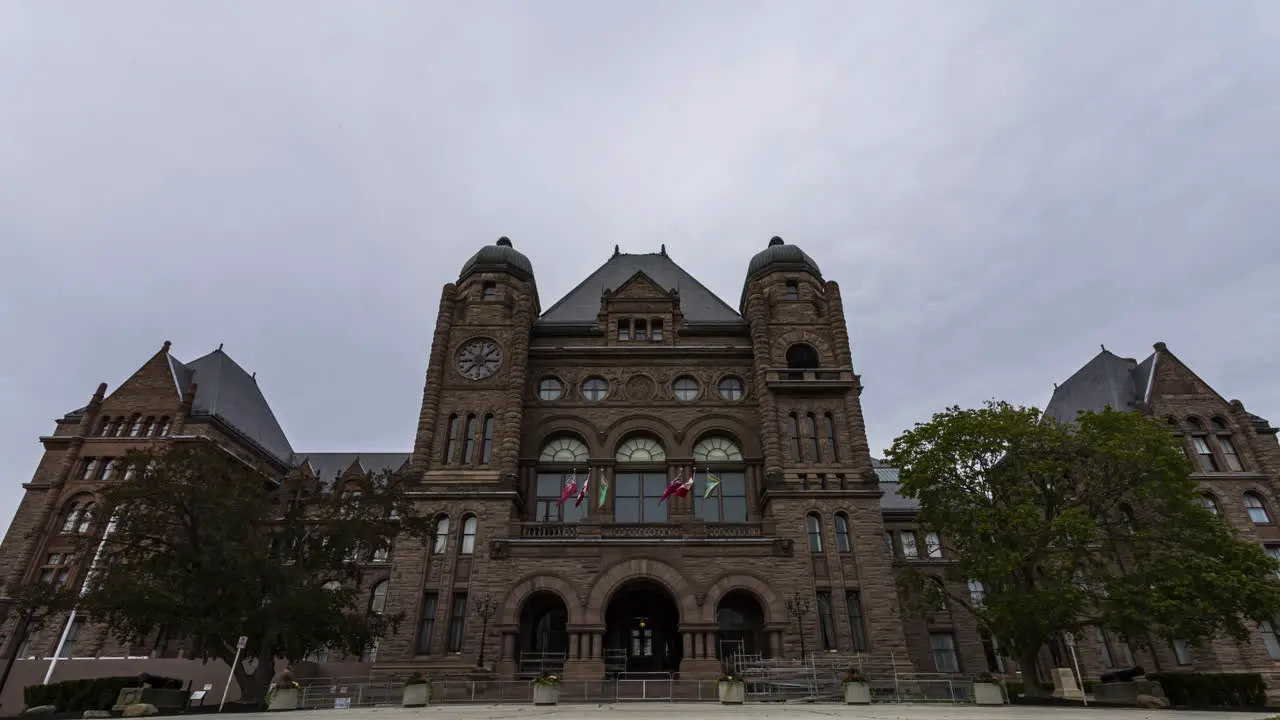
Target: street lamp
<point>485,606</point>
<point>799,606</point>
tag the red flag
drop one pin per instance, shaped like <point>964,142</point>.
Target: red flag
<point>674,487</point>
<point>685,487</point>
<point>582,494</point>
<point>570,487</point>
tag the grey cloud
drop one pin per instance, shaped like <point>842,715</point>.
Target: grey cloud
<point>998,186</point>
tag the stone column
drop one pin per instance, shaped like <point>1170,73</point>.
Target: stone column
<point>758,322</point>
<point>575,652</point>
<point>856,450</point>
<point>687,637</point>
<point>517,352</point>
<point>428,418</point>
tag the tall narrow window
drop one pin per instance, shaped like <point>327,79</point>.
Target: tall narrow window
<point>991,649</point>
<point>977,593</point>
<point>826,621</point>
<point>1269,639</point>
<point>944,652</point>
<point>795,439</point>
<point>90,468</point>
<point>73,634</point>
<point>468,544</point>
<point>121,427</point>
<point>857,627</point>
<point>469,441</point>
<point>1229,454</point>
<point>831,437</point>
<point>135,427</point>
<point>624,329</point>
<point>842,534</point>
<point>486,447</point>
<point>427,623</point>
<point>457,622</point>
<point>811,426</point>
<point>792,291</point>
<point>637,495</point>
<point>451,439</point>
<point>641,330</point>
<point>378,598</point>
<point>815,532</point>
<point>489,291</point>
<point>1204,456</point>
<point>933,544</point>
<point>104,427</point>
<point>442,535</point>
<point>910,548</point>
<point>1181,651</point>
<point>1257,509</point>
<point>655,330</point>
<point>147,426</point>
<point>162,427</point>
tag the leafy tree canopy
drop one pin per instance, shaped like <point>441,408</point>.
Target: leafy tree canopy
<point>1094,523</point>
<point>203,547</point>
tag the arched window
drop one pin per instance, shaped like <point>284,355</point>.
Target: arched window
<point>1226,445</point>
<point>90,468</point>
<point>162,428</point>
<point>1195,425</point>
<point>842,533</point>
<point>486,446</point>
<point>640,449</point>
<point>467,544</point>
<point>121,427</point>
<point>147,426</point>
<point>135,426</point>
<point>802,357</point>
<point>564,450</point>
<point>469,443</point>
<point>451,438</point>
<point>811,426</point>
<point>104,427</point>
<point>831,437</point>
<point>1218,424</point>
<point>1257,509</point>
<point>378,598</point>
<point>814,523</point>
<point>442,536</point>
<point>716,449</point>
<point>795,438</point>
<point>79,516</point>
<point>109,469</point>
<point>1208,503</point>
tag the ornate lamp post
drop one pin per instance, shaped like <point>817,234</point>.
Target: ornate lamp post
<point>485,606</point>
<point>798,607</point>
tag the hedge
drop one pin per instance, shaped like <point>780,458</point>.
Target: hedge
<point>76,695</point>
<point>1213,689</point>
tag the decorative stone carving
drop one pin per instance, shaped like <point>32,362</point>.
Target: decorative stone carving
<point>783,547</point>
<point>499,550</point>
<point>700,598</point>
<point>641,387</point>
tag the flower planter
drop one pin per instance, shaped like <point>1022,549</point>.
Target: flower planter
<point>732,693</point>
<point>416,695</point>
<point>546,694</point>
<point>987,693</point>
<point>284,699</point>
<point>857,693</point>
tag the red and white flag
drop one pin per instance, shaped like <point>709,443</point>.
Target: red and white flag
<point>570,487</point>
<point>582,492</point>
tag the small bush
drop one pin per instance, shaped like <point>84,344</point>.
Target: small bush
<point>1213,689</point>
<point>79,695</point>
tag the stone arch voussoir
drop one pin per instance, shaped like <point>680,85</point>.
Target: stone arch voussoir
<point>770,602</point>
<point>535,583</point>
<point>640,569</point>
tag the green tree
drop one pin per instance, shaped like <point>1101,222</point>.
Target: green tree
<point>204,547</point>
<point>1089,524</point>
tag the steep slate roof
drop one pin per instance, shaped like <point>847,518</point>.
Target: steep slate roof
<point>232,395</point>
<point>1105,381</point>
<point>582,304</point>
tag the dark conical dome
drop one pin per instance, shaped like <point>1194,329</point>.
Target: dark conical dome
<point>499,257</point>
<point>781,256</point>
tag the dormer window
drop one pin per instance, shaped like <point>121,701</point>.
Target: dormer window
<point>489,291</point>
<point>641,330</point>
<point>655,330</point>
<point>792,292</point>
<point>624,330</point>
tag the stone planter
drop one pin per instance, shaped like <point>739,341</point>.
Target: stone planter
<point>416,695</point>
<point>546,694</point>
<point>857,693</point>
<point>732,693</point>
<point>987,694</point>
<point>284,699</point>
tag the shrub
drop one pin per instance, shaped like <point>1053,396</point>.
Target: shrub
<point>416,679</point>
<point>547,679</point>
<point>729,679</point>
<point>1213,689</point>
<point>79,695</point>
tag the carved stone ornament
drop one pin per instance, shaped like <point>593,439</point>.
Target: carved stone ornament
<point>640,387</point>
<point>499,550</point>
<point>700,598</point>
<point>783,547</point>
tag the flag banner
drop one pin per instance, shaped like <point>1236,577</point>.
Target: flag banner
<point>570,487</point>
<point>582,493</point>
<point>604,488</point>
<point>713,484</point>
<point>674,486</point>
<point>686,486</point>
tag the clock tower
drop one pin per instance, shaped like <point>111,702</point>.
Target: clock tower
<point>469,427</point>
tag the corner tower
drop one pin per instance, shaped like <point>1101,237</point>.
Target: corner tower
<point>471,405</point>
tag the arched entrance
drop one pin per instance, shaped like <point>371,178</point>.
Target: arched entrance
<point>642,630</point>
<point>739,627</point>
<point>543,642</point>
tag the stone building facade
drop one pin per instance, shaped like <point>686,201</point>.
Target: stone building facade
<point>638,376</point>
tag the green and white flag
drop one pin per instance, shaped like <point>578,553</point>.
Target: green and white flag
<point>604,489</point>
<point>713,484</point>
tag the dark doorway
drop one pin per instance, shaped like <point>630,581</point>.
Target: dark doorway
<point>740,628</point>
<point>642,630</point>
<point>543,643</point>
<point>802,357</point>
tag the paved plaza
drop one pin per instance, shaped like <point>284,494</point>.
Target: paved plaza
<point>778,711</point>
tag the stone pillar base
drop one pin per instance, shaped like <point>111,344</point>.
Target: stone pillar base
<point>583,669</point>
<point>699,669</point>
<point>505,669</point>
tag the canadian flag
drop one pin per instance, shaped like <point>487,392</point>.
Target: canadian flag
<point>570,487</point>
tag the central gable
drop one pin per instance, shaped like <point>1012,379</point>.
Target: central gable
<point>640,287</point>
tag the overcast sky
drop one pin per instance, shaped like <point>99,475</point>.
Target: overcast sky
<point>999,187</point>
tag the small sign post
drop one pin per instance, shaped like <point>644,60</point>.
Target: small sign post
<point>241,643</point>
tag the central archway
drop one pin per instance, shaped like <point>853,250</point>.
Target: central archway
<point>739,628</point>
<point>543,642</point>
<point>642,630</point>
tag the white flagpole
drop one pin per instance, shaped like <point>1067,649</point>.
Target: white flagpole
<point>84,588</point>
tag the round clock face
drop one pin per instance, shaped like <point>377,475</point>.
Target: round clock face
<point>479,359</point>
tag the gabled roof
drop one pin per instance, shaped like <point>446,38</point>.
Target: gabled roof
<point>1107,380</point>
<point>227,392</point>
<point>582,305</point>
<point>328,466</point>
